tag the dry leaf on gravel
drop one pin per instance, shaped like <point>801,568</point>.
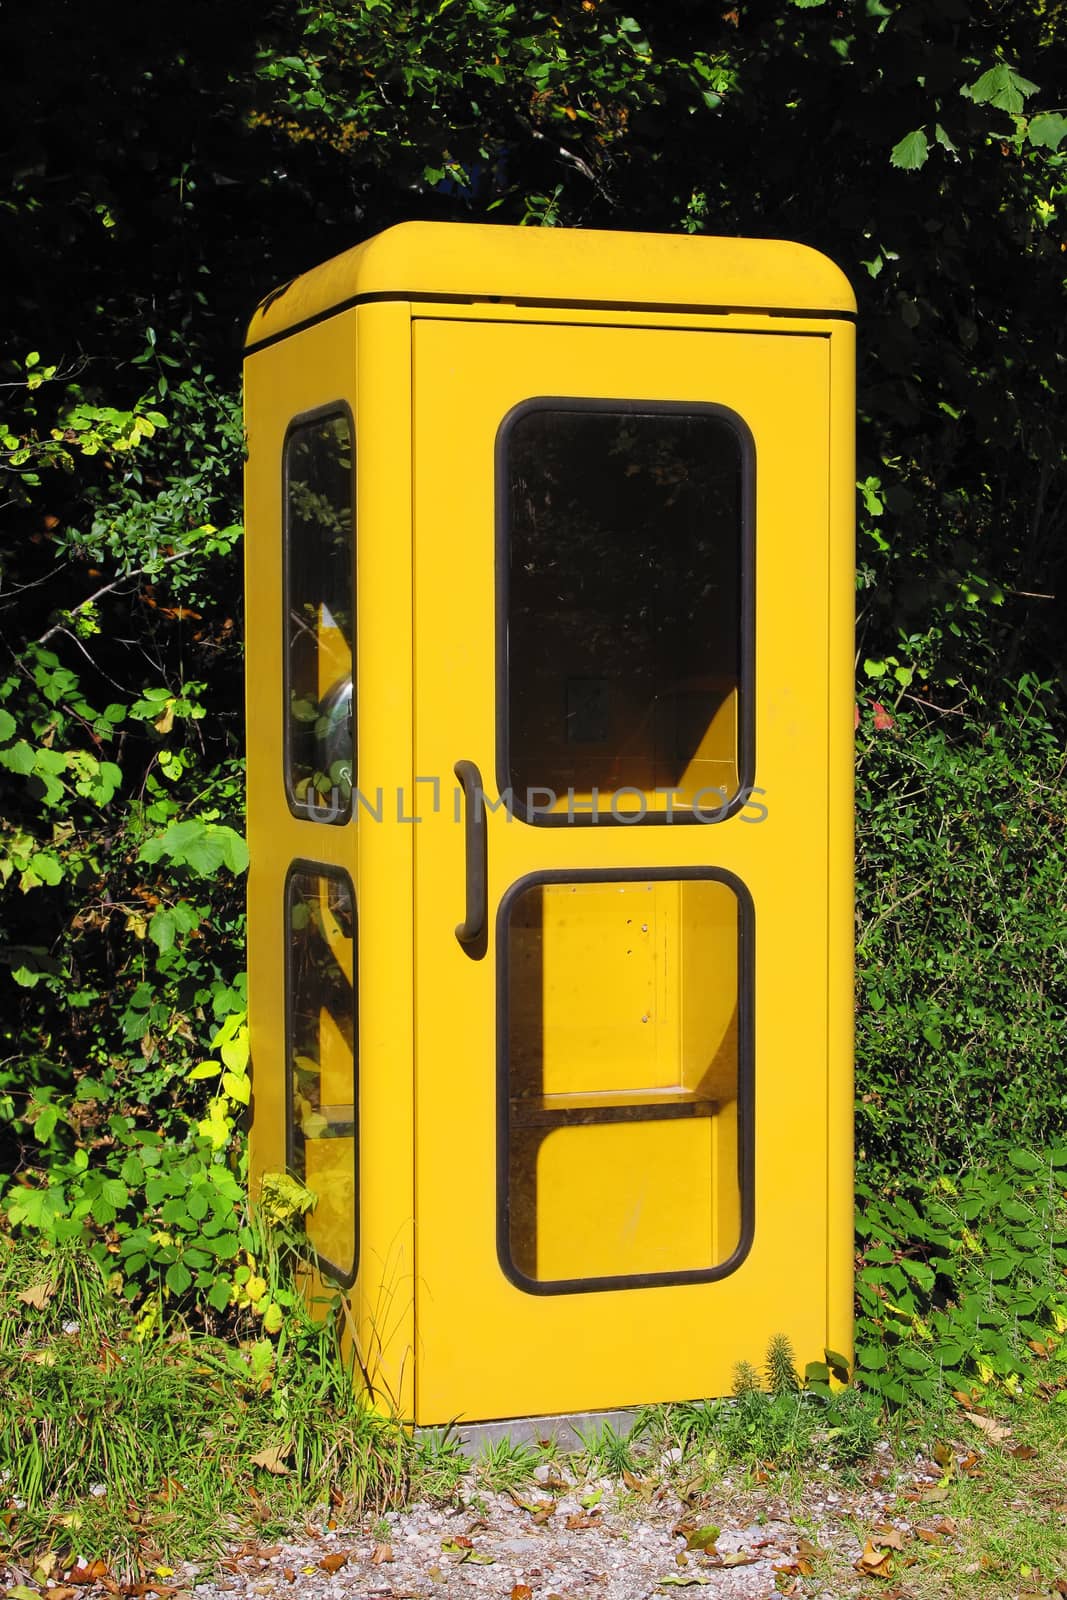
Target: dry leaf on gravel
<point>887,1537</point>
<point>335,1561</point>
<point>874,1562</point>
<point>382,1553</point>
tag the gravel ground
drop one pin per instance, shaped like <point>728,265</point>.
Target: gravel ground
<point>597,1539</point>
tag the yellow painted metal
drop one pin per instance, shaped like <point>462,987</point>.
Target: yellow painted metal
<point>311,371</point>
<point>559,267</point>
<point>780,385</point>
<point>441,1326</point>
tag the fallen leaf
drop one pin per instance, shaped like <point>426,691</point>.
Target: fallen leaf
<point>87,1572</point>
<point>335,1561</point>
<point>736,1558</point>
<point>636,1485</point>
<point>61,1591</point>
<point>702,1538</point>
<point>272,1459</point>
<point>678,1580</point>
<point>970,1462</point>
<point>995,1431</point>
<point>21,1591</point>
<point>581,1519</point>
<point>887,1537</point>
<point>935,1494</point>
<point>37,1295</point>
<point>943,1454</point>
<point>289,1574</point>
<point>382,1553</point>
<point>481,1559</point>
<point>521,1591</point>
<point>1023,1452</point>
<point>874,1563</point>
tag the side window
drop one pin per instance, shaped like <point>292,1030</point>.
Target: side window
<point>322,1059</point>
<point>320,734</point>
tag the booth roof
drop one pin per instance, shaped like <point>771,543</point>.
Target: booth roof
<point>560,267</point>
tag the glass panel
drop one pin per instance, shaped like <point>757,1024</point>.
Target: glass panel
<point>322,1060</point>
<point>623,1078</point>
<point>624,615</point>
<point>320,618</point>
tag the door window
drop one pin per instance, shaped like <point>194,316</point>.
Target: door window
<point>625,635</point>
<point>624,1078</point>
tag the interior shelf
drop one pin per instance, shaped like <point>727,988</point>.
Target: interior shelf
<point>612,1105</point>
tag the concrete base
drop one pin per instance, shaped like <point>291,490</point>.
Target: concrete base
<point>567,1433</point>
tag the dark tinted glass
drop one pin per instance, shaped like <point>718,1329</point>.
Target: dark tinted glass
<point>320,618</point>
<point>624,535</point>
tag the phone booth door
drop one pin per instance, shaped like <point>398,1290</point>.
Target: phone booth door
<point>621,597</point>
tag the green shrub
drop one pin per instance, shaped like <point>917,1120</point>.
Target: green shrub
<point>961,959</point>
<point>963,1281</point>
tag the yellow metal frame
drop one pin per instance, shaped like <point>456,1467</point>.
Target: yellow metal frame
<point>427,333</point>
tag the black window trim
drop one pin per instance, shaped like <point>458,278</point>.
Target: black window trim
<point>321,869</point>
<point>746,925</point>
<point>304,419</point>
<point>747,675</point>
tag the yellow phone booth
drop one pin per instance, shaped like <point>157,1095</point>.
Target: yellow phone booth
<point>550,592</point>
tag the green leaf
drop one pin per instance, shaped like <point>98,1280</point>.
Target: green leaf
<point>7,725</point>
<point>178,1277</point>
<point>162,928</point>
<point>46,1120</point>
<point>1047,130</point>
<point>238,1088</point>
<point>1002,87</point>
<point>912,151</point>
<point>942,138</point>
<point>219,1294</point>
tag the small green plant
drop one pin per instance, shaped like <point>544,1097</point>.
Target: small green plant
<point>438,1465</point>
<point>746,1378</point>
<point>606,1452</point>
<point>505,1466</point>
<point>781,1374</point>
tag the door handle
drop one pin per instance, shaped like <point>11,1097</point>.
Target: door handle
<point>473,926</point>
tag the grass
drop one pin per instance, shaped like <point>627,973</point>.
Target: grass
<point>146,1445</point>
<point>143,1444</point>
